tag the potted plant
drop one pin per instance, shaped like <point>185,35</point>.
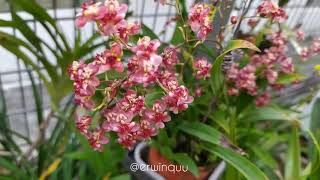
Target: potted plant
<point>201,103</point>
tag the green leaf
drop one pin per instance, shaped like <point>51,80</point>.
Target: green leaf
<point>23,27</point>
<point>4,23</point>
<point>203,132</point>
<point>146,31</point>
<point>151,97</point>
<point>313,168</point>
<point>39,110</point>
<point>7,40</point>
<point>78,155</point>
<point>293,161</point>
<point>166,151</point>
<point>242,164</point>
<point>177,36</point>
<point>33,8</point>
<point>219,117</point>
<point>40,14</point>
<point>265,157</point>
<point>9,144</point>
<point>283,2</point>
<point>121,177</point>
<point>269,113</point>
<point>13,47</point>
<point>35,41</point>
<point>289,78</point>
<point>15,170</point>
<point>315,116</point>
<point>187,163</point>
<point>216,72</point>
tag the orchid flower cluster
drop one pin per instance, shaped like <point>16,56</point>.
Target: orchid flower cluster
<point>123,108</point>
<point>308,52</point>
<point>267,65</point>
<point>270,9</point>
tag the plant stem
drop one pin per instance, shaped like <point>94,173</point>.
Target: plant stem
<point>233,125</point>
<point>232,173</point>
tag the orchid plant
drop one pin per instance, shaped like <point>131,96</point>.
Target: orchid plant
<point>136,86</point>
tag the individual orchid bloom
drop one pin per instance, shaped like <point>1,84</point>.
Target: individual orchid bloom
<point>305,54</point>
<point>145,75</point>
<point>170,57</point>
<point>74,68</point>
<point>97,139</point>
<point>234,19</point>
<point>233,72</point>
<point>84,76</point>
<point>90,12</point>
<point>233,91</point>
<point>260,60</point>
<point>198,91</point>
<point>286,65</point>
<point>246,79</point>
<point>158,114</point>
<point>146,130</point>
<point>112,88</point>
<point>277,87</point>
<point>315,46</point>
<point>131,102</point>
<point>113,19</point>
<point>81,71</point>
<point>202,67</point>
<point>271,75</point>
<point>84,101</point>
<point>178,99</point>
<point>129,30</point>
<point>127,129</point>
<point>252,22</point>
<point>110,59</point>
<point>128,141</point>
<point>263,99</point>
<point>147,49</point>
<point>270,9</point>
<point>300,35</point>
<point>200,20</point>
<point>168,80</point>
<point>86,87</point>
<point>271,56</point>
<point>277,38</point>
<point>133,64</point>
<point>83,123</point>
<point>114,118</point>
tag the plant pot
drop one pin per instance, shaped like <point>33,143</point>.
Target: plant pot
<point>139,157</point>
<point>144,156</point>
<point>155,158</point>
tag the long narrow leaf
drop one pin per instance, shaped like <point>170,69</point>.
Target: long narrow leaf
<point>146,31</point>
<point>6,39</point>
<point>39,110</point>
<point>293,161</point>
<point>39,13</point>
<point>242,164</point>
<point>203,132</point>
<point>16,51</point>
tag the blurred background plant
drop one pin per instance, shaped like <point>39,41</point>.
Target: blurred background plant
<point>55,152</point>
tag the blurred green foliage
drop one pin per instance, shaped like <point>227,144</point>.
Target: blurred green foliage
<point>64,154</point>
